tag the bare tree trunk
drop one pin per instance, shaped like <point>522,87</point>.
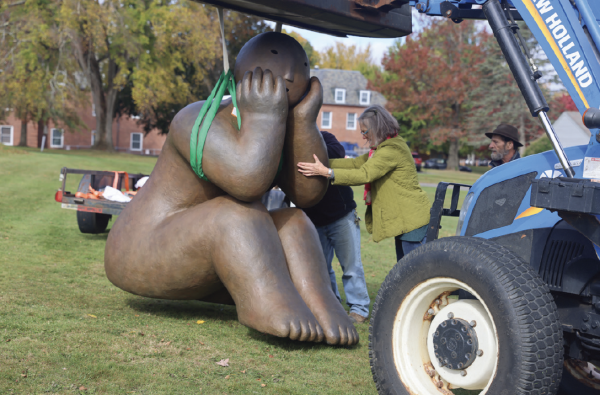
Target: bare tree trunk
<point>104,101</point>
<point>40,133</point>
<point>23,142</point>
<point>453,154</point>
<point>104,107</point>
<point>522,135</point>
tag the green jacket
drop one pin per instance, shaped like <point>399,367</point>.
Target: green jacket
<point>398,204</point>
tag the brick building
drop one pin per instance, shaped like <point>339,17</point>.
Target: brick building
<point>345,97</point>
<point>127,135</point>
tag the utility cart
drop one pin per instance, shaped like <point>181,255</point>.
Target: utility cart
<point>94,212</point>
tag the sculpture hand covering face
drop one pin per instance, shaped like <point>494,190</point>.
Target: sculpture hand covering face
<point>186,238</point>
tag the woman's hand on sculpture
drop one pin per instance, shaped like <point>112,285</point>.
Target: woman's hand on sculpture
<point>308,108</point>
<point>313,169</point>
<point>261,93</point>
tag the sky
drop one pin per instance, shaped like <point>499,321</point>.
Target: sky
<point>319,41</point>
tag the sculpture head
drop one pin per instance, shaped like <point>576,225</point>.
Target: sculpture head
<point>281,54</point>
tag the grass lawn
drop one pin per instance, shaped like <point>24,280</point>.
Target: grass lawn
<point>64,328</point>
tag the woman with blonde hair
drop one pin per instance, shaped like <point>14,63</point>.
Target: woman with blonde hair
<point>396,204</point>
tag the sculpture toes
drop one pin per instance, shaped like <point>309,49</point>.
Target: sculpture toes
<point>332,336</point>
<point>296,330</point>
<point>316,333</point>
<point>320,334</point>
<point>352,336</point>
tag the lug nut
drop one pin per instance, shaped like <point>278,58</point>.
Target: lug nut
<point>440,384</point>
<point>437,301</point>
<point>450,316</point>
<point>473,323</point>
<point>479,353</point>
<point>595,324</point>
<point>431,373</point>
<point>463,373</point>
<point>430,312</point>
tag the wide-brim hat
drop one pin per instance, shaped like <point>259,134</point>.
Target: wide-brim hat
<point>508,131</point>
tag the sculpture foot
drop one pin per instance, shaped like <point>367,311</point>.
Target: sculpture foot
<point>337,326</point>
<point>294,324</point>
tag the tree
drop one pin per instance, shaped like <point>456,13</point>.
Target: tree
<point>497,98</point>
<point>239,28</point>
<point>431,74</point>
<point>313,56</point>
<point>345,57</point>
<point>142,42</point>
<point>37,77</point>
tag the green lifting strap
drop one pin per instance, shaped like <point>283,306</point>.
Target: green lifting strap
<point>209,109</point>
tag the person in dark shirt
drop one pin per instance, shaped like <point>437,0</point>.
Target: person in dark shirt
<point>504,144</point>
<point>337,223</point>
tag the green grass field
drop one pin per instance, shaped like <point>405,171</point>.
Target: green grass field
<point>64,328</point>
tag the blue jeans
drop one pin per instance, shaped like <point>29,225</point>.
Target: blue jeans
<point>343,237</point>
<point>404,247</point>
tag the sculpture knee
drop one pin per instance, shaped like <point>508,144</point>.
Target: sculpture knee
<point>240,219</point>
<point>294,219</point>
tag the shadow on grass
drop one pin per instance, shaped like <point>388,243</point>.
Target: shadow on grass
<point>98,236</point>
<point>183,309</point>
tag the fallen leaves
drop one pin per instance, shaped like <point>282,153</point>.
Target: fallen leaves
<point>227,377</point>
<point>199,322</point>
<point>270,356</point>
<point>263,385</point>
<point>223,362</point>
<point>82,388</point>
<point>199,341</point>
<point>7,340</point>
<point>91,315</point>
<point>243,371</point>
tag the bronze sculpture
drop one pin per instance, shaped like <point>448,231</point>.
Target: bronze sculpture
<point>186,238</point>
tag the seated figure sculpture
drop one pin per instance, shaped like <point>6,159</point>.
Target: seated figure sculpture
<point>186,238</point>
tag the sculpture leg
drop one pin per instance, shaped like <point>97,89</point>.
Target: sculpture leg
<point>308,270</point>
<point>250,261</point>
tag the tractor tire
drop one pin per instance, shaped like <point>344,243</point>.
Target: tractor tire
<point>92,222</point>
<point>579,378</point>
<point>464,312</point>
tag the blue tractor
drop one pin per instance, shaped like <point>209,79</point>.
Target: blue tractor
<point>511,305</point>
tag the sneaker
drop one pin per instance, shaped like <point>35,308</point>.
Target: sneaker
<point>359,319</point>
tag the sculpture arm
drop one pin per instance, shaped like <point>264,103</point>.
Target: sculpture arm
<point>302,140</point>
<point>244,163</point>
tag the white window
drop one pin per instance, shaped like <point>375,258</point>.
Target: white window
<point>326,120</point>
<point>93,137</point>
<point>340,96</point>
<point>351,121</point>
<point>365,98</point>
<point>137,140</point>
<point>57,138</point>
<point>6,135</point>
<point>93,110</point>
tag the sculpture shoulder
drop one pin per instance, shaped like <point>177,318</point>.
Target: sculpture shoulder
<point>181,127</point>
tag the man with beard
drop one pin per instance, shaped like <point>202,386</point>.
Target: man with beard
<point>505,141</point>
